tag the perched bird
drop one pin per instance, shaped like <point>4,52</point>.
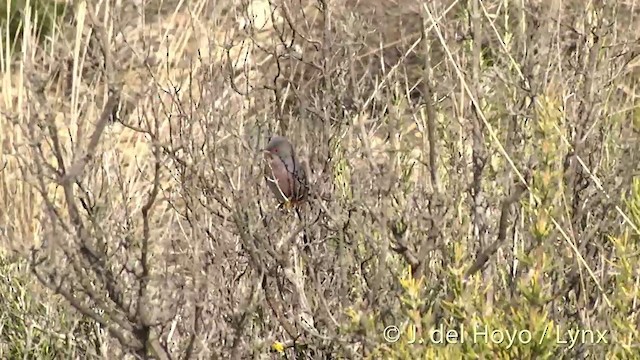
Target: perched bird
<point>285,175</point>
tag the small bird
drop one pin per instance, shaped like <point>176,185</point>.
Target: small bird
<point>285,175</point>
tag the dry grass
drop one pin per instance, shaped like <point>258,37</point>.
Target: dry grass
<point>475,164</point>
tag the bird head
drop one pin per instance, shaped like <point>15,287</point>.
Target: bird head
<point>278,146</point>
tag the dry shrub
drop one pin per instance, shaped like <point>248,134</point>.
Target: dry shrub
<point>473,165</point>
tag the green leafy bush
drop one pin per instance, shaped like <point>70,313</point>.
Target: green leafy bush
<point>43,17</point>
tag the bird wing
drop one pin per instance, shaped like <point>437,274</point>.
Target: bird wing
<point>299,173</point>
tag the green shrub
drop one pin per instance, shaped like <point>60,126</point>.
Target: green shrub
<point>44,15</point>
<point>32,324</point>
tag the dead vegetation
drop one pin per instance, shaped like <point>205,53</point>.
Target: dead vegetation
<point>474,166</point>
